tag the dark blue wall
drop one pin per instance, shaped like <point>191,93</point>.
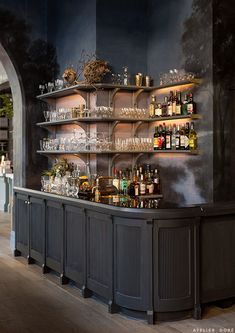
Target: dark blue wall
<point>72,28</point>
<point>166,26</point>
<point>122,34</point>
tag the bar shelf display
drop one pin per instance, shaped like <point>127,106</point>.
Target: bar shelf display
<point>107,86</point>
<point>110,120</point>
<point>59,152</point>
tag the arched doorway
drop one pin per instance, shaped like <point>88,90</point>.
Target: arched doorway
<point>19,141</point>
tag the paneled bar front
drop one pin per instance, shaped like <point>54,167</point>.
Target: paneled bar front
<point>159,264</point>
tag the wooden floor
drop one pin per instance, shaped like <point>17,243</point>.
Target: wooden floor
<point>31,302</point>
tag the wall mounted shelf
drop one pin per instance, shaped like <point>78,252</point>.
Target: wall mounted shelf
<point>123,120</point>
<point>71,152</point>
<point>113,87</point>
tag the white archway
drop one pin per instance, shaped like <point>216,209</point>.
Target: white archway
<point>19,138</point>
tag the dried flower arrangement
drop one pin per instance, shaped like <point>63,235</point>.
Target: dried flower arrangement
<point>92,68</point>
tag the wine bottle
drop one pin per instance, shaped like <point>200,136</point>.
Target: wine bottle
<point>192,138</point>
<point>178,109</point>
<point>191,106</point>
<point>152,107</point>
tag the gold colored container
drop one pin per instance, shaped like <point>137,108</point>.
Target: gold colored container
<point>139,79</point>
<point>147,81</point>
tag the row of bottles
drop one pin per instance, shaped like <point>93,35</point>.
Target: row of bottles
<point>180,137</point>
<point>142,181</point>
<point>172,105</point>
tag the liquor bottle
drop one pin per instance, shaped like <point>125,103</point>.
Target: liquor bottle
<point>156,182</point>
<point>116,179</point>
<point>192,138</point>
<point>168,138</point>
<point>170,105</point>
<point>152,107</point>
<point>165,106</point>
<point>163,136</point>
<point>191,106</point>
<point>132,187</point>
<point>186,138</point>
<point>126,80</point>
<point>142,185</point>
<point>123,184</point>
<point>174,101</point>
<point>149,184</point>
<point>185,105</point>
<point>158,110</point>
<point>97,191</point>
<point>178,109</point>
<point>173,137</point>
<point>155,138</point>
<point>177,138</point>
<point>182,138</point>
<point>128,177</point>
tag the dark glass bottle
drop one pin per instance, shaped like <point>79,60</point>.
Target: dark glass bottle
<point>182,138</point>
<point>156,182</point>
<point>177,138</point>
<point>155,139</point>
<point>163,137</point>
<point>170,105</point>
<point>186,138</point>
<point>164,106</point>
<point>185,106</point>
<point>168,138</point>
<point>192,138</point>
<point>178,110</point>
<point>191,106</point>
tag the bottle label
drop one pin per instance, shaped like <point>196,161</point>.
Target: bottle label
<point>155,143</point>
<point>158,112</point>
<point>192,144</point>
<point>190,108</point>
<point>142,188</point>
<point>150,188</point>
<point>174,107</point>
<point>178,110</point>
<point>177,142</point>
<point>156,180</point>
<point>186,142</point>
<point>161,140</point>
<point>169,110</point>
<point>168,142</point>
<point>182,141</point>
<point>123,185</point>
<point>116,183</point>
<point>136,190</point>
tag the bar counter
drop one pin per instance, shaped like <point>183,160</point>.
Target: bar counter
<point>158,264</point>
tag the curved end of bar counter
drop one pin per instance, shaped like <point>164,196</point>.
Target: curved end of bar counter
<point>158,264</point>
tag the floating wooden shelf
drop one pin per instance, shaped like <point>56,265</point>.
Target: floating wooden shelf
<point>71,152</point>
<point>122,120</point>
<point>101,86</point>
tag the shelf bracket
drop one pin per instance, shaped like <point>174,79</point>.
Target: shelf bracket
<point>135,159</point>
<point>84,95</point>
<point>112,127</point>
<point>82,157</point>
<point>135,97</point>
<point>136,127</point>
<point>112,95</point>
<point>80,124</point>
<point>111,162</point>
